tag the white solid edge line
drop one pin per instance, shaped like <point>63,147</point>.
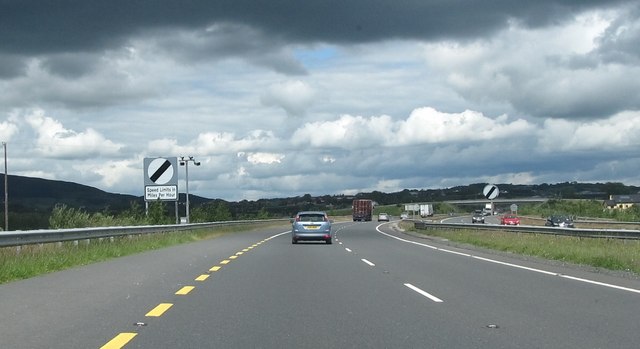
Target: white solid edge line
<point>275,236</point>
<point>348,249</point>
<point>540,271</point>
<point>599,283</point>
<point>424,293</point>
<point>366,261</point>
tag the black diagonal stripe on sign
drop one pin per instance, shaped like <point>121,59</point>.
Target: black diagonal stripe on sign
<point>160,171</point>
<point>491,191</point>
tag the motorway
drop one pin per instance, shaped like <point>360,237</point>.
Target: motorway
<point>374,287</point>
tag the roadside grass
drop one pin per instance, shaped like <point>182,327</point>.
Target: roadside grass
<point>24,262</point>
<point>611,254</point>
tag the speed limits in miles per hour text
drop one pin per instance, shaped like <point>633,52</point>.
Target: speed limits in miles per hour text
<point>161,192</point>
<point>160,179</point>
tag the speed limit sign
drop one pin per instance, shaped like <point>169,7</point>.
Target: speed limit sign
<point>490,191</point>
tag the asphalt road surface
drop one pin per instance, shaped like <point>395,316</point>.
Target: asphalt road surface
<point>373,288</point>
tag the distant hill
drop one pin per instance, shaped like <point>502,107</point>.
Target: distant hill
<point>27,194</point>
<point>32,199</point>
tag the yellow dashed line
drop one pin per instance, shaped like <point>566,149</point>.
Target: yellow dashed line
<point>122,339</point>
<point>119,341</point>
<point>159,310</point>
<point>185,290</point>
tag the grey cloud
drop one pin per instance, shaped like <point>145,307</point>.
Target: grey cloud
<point>255,31</point>
<point>582,95</point>
<point>621,41</point>
<point>70,65</point>
<point>226,40</point>
<point>12,66</point>
<point>36,27</point>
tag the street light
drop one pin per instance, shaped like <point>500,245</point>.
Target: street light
<point>6,190</point>
<point>184,161</point>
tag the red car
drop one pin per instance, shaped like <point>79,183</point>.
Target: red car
<point>510,219</point>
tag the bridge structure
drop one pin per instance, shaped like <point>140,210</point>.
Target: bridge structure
<point>498,201</point>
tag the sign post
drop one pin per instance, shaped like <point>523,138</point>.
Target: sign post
<point>413,208</point>
<point>161,180</point>
<point>491,192</point>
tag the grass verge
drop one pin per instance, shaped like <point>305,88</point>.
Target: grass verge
<point>611,254</point>
<point>28,261</point>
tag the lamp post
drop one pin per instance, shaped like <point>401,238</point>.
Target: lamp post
<point>6,190</point>
<point>184,161</point>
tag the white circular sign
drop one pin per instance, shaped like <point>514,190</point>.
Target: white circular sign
<point>490,191</point>
<point>160,171</point>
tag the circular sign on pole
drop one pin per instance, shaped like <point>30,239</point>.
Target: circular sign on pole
<point>514,208</point>
<point>490,191</point>
<point>160,171</point>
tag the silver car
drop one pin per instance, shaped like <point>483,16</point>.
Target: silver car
<point>311,226</point>
<point>478,217</point>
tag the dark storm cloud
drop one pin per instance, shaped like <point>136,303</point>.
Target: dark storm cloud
<point>226,40</point>
<point>40,27</point>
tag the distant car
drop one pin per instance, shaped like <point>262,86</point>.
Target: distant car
<point>509,219</point>
<point>478,217</point>
<point>404,215</point>
<point>311,226</point>
<point>383,217</point>
<point>561,221</point>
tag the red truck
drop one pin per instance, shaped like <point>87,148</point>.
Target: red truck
<point>362,210</point>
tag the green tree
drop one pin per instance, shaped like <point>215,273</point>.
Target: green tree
<point>157,214</point>
<point>64,217</point>
<point>263,214</point>
<point>211,212</point>
<point>222,212</point>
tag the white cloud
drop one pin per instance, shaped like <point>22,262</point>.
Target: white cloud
<point>273,118</point>
<point>7,130</point>
<point>223,143</point>
<point>545,72</point>
<point>427,125</point>
<point>423,126</point>
<point>618,132</point>
<point>388,185</point>
<point>265,158</point>
<point>328,159</point>
<point>57,142</point>
<point>113,173</point>
<point>158,147</point>
<point>349,132</point>
<point>295,97</point>
<point>216,143</point>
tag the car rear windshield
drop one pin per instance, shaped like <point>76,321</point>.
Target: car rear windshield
<point>311,218</point>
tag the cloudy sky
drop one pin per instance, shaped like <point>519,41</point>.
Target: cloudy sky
<point>285,97</point>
